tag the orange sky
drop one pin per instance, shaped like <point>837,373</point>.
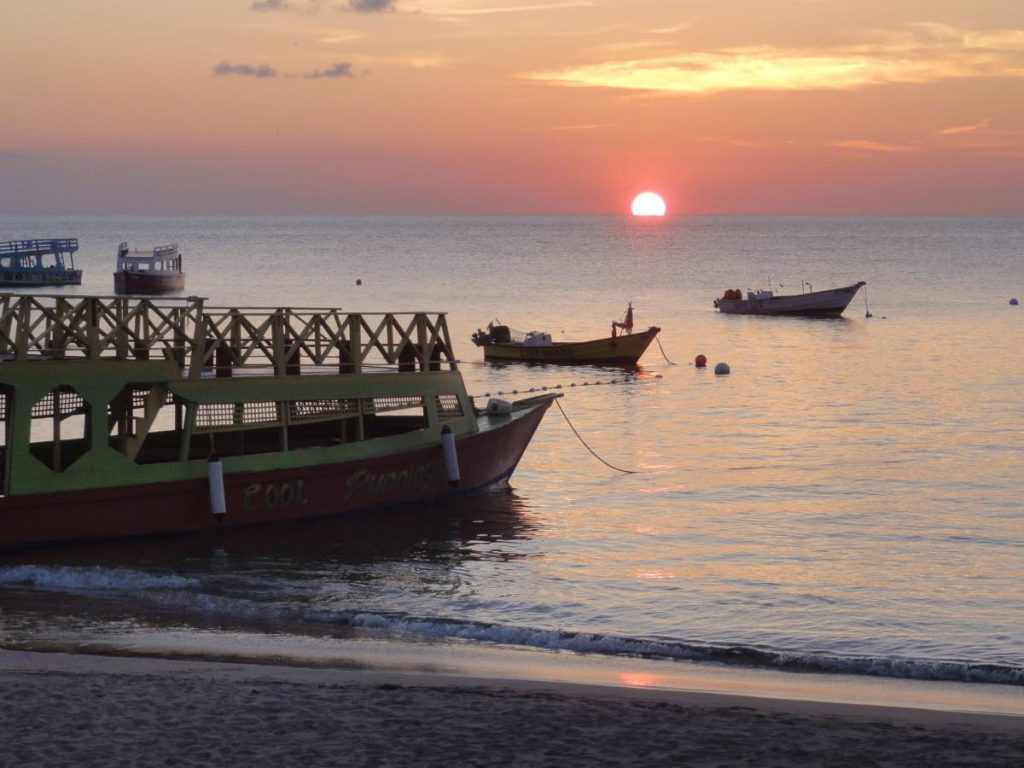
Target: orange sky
<point>512,106</point>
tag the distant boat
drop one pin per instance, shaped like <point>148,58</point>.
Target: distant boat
<point>148,272</point>
<point>830,303</point>
<point>39,262</point>
<point>499,343</point>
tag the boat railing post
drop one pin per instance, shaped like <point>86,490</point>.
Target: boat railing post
<point>197,352</point>
<point>121,335</point>
<point>277,338</point>
<point>355,344</point>
<point>422,342</point>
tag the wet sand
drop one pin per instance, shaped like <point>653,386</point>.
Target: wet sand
<point>72,709</point>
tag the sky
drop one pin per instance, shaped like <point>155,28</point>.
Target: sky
<point>724,107</point>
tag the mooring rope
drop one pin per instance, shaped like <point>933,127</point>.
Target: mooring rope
<point>663,351</point>
<point>592,453</point>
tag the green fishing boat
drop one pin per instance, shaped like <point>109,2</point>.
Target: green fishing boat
<point>135,417</point>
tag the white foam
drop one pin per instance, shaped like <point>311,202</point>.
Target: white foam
<point>92,578</point>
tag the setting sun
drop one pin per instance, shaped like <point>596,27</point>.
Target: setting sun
<point>648,204</point>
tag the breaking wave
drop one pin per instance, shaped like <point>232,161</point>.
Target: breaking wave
<point>91,578</point>
<point>580,642</point>
<point>187,596</point>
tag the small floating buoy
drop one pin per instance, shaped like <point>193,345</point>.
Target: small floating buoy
<point>721,369</point>
<point>1014,302</point>
<point>215,476</point>
<point>359,281</point>
<point>700,361</point>
<point>451,458</point>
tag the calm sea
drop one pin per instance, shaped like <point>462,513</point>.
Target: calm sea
<point>848,499</point>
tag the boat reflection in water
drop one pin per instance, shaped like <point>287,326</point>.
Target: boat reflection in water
<point>234,592</point>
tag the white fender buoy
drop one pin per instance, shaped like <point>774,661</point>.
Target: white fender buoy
<point>721,369</point>
<point>498,407</point>
<point>215,474</point>
<point>451,457</point>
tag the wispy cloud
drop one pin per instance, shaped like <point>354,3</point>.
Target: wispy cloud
<point>312,6</point>
<point>461,8</point>
<point>342,69</point>
<point>862,145</point>
<point>271,5</point>
<point>671,30</point>
<point>956,130</point>
<point>584,127</point>
<point>336,36</point>
<point>922,53</point>
<point>224,69</point>
<point>370,6</point>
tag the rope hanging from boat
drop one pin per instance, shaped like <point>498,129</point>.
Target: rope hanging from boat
<point>663,351</point>
<point>592,453</point>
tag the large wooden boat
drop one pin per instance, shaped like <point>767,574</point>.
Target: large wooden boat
<point>51,262</point>
<point>499,342</point>
<point>148,272</point>
<point>127,417</point>
<point>828,303</point>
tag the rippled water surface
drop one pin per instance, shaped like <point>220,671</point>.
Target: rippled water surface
<point>848,498</point>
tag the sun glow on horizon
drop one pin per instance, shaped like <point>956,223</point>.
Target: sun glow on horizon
<point>648,204</point>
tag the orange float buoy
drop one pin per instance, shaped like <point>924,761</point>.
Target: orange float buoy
<point>700,361</point>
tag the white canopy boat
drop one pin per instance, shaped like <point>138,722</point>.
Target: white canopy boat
<point>828,303</point>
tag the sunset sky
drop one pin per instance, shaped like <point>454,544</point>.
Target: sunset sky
<point>512,106</point>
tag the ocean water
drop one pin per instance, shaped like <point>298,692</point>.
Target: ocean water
<point>848,499</point>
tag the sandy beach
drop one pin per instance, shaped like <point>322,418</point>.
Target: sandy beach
<point>72,709</point>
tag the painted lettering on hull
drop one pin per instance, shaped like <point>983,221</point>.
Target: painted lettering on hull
<point>261,497</point>
<point>406,481</point>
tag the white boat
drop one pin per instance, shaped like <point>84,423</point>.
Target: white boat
<point>829,303</point>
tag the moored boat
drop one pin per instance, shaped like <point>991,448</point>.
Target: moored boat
<point>148,272</point>
<point>128,417</point>
<point>499,342</point>
<point>827,303</point>
<point>48,262</point>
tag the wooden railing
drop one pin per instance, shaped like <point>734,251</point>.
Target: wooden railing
<point>220,341</point>
<point>65,245</point>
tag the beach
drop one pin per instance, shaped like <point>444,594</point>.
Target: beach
<point>76,709</point>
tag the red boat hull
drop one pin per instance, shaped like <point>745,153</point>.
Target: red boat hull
<point>148,282</point>
<point>485,458</point>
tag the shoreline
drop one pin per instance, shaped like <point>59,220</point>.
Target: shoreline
<point>72,708</point>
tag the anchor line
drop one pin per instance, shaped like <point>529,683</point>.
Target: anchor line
<point>592,452</point>
<point>663,351</point>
